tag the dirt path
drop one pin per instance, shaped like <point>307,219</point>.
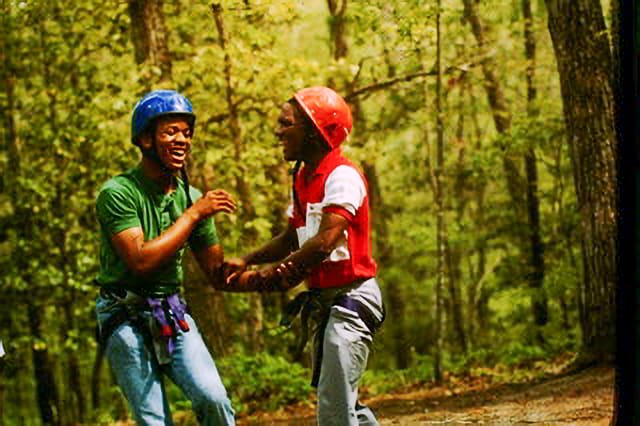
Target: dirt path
<point>584,398</point>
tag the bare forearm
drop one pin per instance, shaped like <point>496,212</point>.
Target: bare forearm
<point>292,265</point>
<point>153,253</point>
<point>274,250</point>
<point>299,264</point>
<point>278,277</point>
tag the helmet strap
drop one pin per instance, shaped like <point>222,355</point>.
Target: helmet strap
<point>185,182</point>
<point>312,137</point>
<point>296,199</point>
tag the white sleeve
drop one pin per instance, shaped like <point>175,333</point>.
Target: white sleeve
<point>290,211</point>
<point>345,188</point>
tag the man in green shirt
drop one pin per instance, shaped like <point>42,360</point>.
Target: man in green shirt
<point>147,215</point>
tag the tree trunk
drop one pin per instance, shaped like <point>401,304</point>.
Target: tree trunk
<point>396,305</point>
<point>498,104</point>
<point>584,63</point>
<point>440,210</point>
<point>46,387</point>
<point>149,37</point>
<point>255,321</point>
<point>477,295</point>
<point>8,73</point>
<point>95,376</point>
<point>338,28</point>
<point>461,197</point>
<point>209,307</point>
<point>74,373</point>
<point>454,274</point>
<point>539,301</point>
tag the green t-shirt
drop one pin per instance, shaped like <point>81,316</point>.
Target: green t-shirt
<point>132,200</point>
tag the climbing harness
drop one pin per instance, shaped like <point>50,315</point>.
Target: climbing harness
<point>159,319</point>
<point>309,303</point>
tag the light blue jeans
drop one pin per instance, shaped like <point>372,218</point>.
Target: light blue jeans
<point>140,377</point>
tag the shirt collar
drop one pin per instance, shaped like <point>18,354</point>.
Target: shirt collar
<point>153,189</point>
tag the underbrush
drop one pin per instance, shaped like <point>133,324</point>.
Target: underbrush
<point>516,363</point>
<point>264,382</point>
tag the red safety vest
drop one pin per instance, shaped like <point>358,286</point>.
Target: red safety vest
<point>310,190</point>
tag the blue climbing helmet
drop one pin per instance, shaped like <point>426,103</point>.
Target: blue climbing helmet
<point>156,104</point>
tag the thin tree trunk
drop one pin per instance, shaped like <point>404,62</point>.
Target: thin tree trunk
<point>454,254</point>
<point>149,37</point>
<point>338,28</point>
<point>12,143</point>
<point>395,300</point>
<point>539,301</point>
<point>477,293</point>
<point>454,273</point>
<point>498,104</point>
<point>46,387</point>
<point>74,373</point>
<point>256,311</point>
<point>584,63</point>
<point>439,199</point>
<point>95,377</point>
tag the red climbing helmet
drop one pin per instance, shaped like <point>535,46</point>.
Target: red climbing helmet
<point>329,113</point>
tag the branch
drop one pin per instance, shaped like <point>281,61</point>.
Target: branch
<point>375,87</point>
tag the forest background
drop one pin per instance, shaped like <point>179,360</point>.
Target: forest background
<point>485,129</point>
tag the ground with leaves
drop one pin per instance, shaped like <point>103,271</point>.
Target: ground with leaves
<point>579,398</point>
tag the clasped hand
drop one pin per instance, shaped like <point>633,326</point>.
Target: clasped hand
<point>281,276</point>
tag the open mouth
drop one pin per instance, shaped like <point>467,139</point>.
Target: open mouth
<point>178,154</point>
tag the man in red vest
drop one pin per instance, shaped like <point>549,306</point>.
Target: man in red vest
<point>328,243</point>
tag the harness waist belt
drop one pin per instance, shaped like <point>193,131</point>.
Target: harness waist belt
<point>305,302</point>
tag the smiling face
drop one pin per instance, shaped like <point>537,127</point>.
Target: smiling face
<point>172,139</point>
<point>291,132</point>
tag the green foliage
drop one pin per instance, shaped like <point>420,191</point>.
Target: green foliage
<point>75,82</point>
<point>264,382</point>
<point>517,352</point>
<point>377,382</point>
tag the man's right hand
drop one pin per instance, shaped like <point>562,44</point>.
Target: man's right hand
<point>213,202</point>
<point>233,268</point>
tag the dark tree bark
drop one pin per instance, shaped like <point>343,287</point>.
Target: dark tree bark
<point>95,377</point>
<point>149,36</point>
<point>46,387</point>
<point>73,370</point>
<point>536,270</point>
<point>584,61</point>
<point>338,27</point>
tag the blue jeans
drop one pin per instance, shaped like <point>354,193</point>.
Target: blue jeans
<point>139,375</point>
